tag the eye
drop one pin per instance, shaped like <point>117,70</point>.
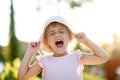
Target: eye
<point>51,33</point>
<point>61,31</point>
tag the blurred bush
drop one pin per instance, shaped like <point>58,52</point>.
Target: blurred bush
<point>11,70</point>
<point>88,76</point>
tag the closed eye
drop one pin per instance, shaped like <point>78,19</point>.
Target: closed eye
<point>61,31</point>
<point>51,33</point>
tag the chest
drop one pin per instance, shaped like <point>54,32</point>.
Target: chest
<point>66,65</point>
<point>67,68</point>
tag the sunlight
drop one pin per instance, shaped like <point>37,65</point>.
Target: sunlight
<point>106,38</point>
<point>4,21</point>
<point>92,18</point>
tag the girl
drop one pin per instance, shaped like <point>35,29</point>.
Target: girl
<point>61,65</point>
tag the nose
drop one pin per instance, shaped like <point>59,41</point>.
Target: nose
<point>57,34</point>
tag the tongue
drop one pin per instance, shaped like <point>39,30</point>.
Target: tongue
<point>59,45</point>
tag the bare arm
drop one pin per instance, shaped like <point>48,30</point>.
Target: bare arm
<point>99,56</point>
<point>25,70</point>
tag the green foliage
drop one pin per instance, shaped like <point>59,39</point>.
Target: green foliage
<point>88,76</point>
<point>78,3</point>
<point>116,45</point>
<point>13,46</point>
<point>77,46</point>
<point>81,47</point>
<point>73,4</point>
<point>11,70</point>
<point>113,49</point>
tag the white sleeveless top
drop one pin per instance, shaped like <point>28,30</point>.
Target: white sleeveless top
<point>68,67</point>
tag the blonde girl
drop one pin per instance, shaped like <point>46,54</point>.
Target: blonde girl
<point>61,65</point>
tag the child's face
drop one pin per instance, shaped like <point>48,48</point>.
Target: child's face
<point>58,38</point>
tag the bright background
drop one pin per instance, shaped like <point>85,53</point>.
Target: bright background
<point>99,19</point>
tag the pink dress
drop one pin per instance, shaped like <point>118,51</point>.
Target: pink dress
<point>68,67</point>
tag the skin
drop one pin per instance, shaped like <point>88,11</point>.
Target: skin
<point>98,55</point>
<point>58,33</point>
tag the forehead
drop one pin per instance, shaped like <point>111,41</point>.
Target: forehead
<point>58,25</point>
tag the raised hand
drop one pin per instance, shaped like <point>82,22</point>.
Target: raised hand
<point>33,47</point>
<point>80,37</point>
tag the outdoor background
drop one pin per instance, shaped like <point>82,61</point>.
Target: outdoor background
<point>22,21</point>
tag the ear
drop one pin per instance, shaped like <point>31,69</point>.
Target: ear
<point>71,36</point>
<point>70,39</point>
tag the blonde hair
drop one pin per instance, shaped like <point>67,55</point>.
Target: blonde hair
<point>46,47</point>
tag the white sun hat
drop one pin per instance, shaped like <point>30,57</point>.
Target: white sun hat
<point>58,19</point>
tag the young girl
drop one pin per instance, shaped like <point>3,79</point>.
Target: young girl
<point>61,65</point>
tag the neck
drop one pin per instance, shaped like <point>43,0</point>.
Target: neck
<point>60,54</point>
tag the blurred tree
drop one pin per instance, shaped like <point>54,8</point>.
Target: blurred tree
<point>72,3</point>
<point>77,3</point>
<point>13,46</point>
<point>112,65</point>
<point>2,61</point>
<point>113,49</point>
<point>1,55</point>
<point>108,48</point>
<point>81,47</point>
<point>116,46</point>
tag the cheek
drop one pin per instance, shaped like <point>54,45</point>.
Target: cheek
<point>67,37</point>
<point>50,41</point>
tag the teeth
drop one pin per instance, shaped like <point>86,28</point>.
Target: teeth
<point>58,40</point>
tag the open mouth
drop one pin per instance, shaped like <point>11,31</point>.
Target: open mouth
<point>59,43</point>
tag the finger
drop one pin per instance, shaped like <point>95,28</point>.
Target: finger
<point>33,44</point>
<point>39,42</point>
<point>74,35</point>
<point>82,33</point>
